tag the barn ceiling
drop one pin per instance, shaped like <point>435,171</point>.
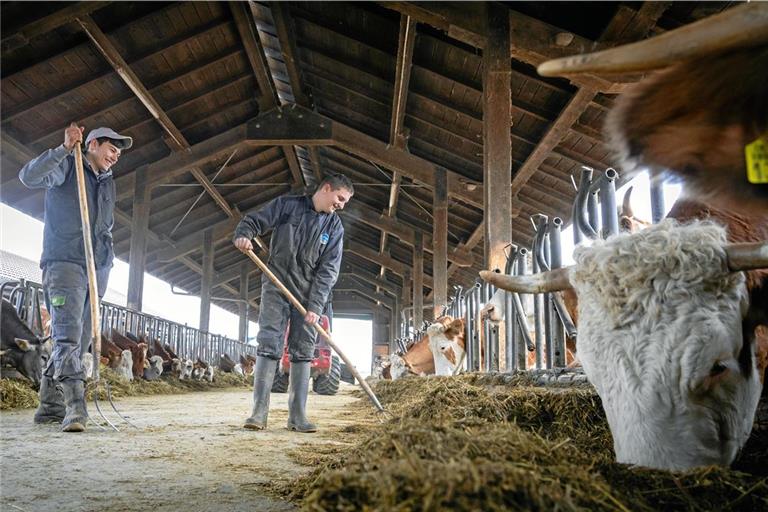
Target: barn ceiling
<point>237,103</point>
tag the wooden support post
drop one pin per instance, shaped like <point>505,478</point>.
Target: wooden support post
<point>206,280</point>
<point>497,161</point>
<point>245,268</point>
<point>418,281</point>
<point>405,298</point>
<point>440,242</point>
<point>139,228</point>
<point>395,323</point>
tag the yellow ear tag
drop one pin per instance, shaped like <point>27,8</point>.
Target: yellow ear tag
<point>757,161</point>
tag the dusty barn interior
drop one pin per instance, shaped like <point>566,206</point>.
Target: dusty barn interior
<point>464,158</point>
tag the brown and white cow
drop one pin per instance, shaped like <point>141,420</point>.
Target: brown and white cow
<point>441,347</point>
<point>138,352</point>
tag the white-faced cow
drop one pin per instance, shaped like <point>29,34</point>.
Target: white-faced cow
<point>20,347</point>
<point>421,358</point>
<point>666,334</point>
<point>666,339</point>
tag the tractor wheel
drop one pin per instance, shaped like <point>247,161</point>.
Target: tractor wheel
<point>328,384</point>
<point>280,384</point>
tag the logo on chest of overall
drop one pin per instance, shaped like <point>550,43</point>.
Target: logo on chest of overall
<point>324,238</point>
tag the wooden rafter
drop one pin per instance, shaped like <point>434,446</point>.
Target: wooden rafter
<point>302,126</point>
<point>287,39</point>
<point>397,139</point>
<point>22,35</point>
<point>176,140</point>
<point>391,263</point>
<point>244,20</point>
<point>465,22</point>
<point>404,232</point>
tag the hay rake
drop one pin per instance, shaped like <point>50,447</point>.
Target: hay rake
<point>300,308</point>
<point>93,387</point>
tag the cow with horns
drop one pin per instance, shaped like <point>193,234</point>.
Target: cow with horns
<point>668,326</point>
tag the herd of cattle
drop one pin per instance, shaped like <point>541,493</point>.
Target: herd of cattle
<point>132,357</point>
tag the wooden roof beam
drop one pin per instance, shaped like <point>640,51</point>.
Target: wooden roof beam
<point>255,52</point>
<point>347,284</point>
<point>392,264</point>
<point>24,34</point>
<point>176,141</point>
<point>298,125</point>
<point>406,234</point>
<point>465,22</point>
<point>397,137</point>
<point>174,165</point>
<point>109,52</point>
<point>582,99</point>
<point>406,42</point>
<point>23,108</point>
<point>365,275</point>
<point>287,38</point>
<point>244,20</point>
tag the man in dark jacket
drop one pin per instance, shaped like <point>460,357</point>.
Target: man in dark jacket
<point>65,279</point>
<point>305,254</point>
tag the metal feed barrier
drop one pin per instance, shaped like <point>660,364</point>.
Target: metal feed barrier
<point>537,323</point>
<point>185,341</point>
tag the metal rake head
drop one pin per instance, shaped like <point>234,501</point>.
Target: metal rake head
<point>95,387</point>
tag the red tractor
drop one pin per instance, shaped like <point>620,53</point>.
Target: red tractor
<point>326,367</point>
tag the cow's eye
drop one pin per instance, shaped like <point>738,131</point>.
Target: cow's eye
<point>717,369</point>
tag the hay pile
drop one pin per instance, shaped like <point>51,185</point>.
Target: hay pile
<point>452,444</point>
<point>17,394</point>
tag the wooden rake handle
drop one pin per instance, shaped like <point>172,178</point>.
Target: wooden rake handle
<point>301,309</point>
<point>90,263</point>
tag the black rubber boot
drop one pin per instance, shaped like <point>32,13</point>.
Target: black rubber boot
<point>297,398</point>
<point>51,409</point>
<point>263,375</point>
<point>74,401</point>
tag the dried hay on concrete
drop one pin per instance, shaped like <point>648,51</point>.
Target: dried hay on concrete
<point>165,384</point>
<point>17,394</point>
<point>452,444</point>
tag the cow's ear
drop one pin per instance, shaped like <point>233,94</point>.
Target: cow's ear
<point>2,352</point>
<point>47,346</point>
<point>23,344</point>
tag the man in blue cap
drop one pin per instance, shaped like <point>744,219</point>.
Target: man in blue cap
<point>65,278</point>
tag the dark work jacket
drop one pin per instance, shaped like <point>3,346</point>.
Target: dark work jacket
<point>306,246</point>
<point>54,170</point>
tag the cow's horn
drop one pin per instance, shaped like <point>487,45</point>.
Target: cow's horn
<point>550,281</point>
<point>626,205</point>
<point>749,256</point>
<point>740,27</point>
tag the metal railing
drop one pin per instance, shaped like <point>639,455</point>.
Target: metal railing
<point>185,341</point>
<point>536,323</point>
